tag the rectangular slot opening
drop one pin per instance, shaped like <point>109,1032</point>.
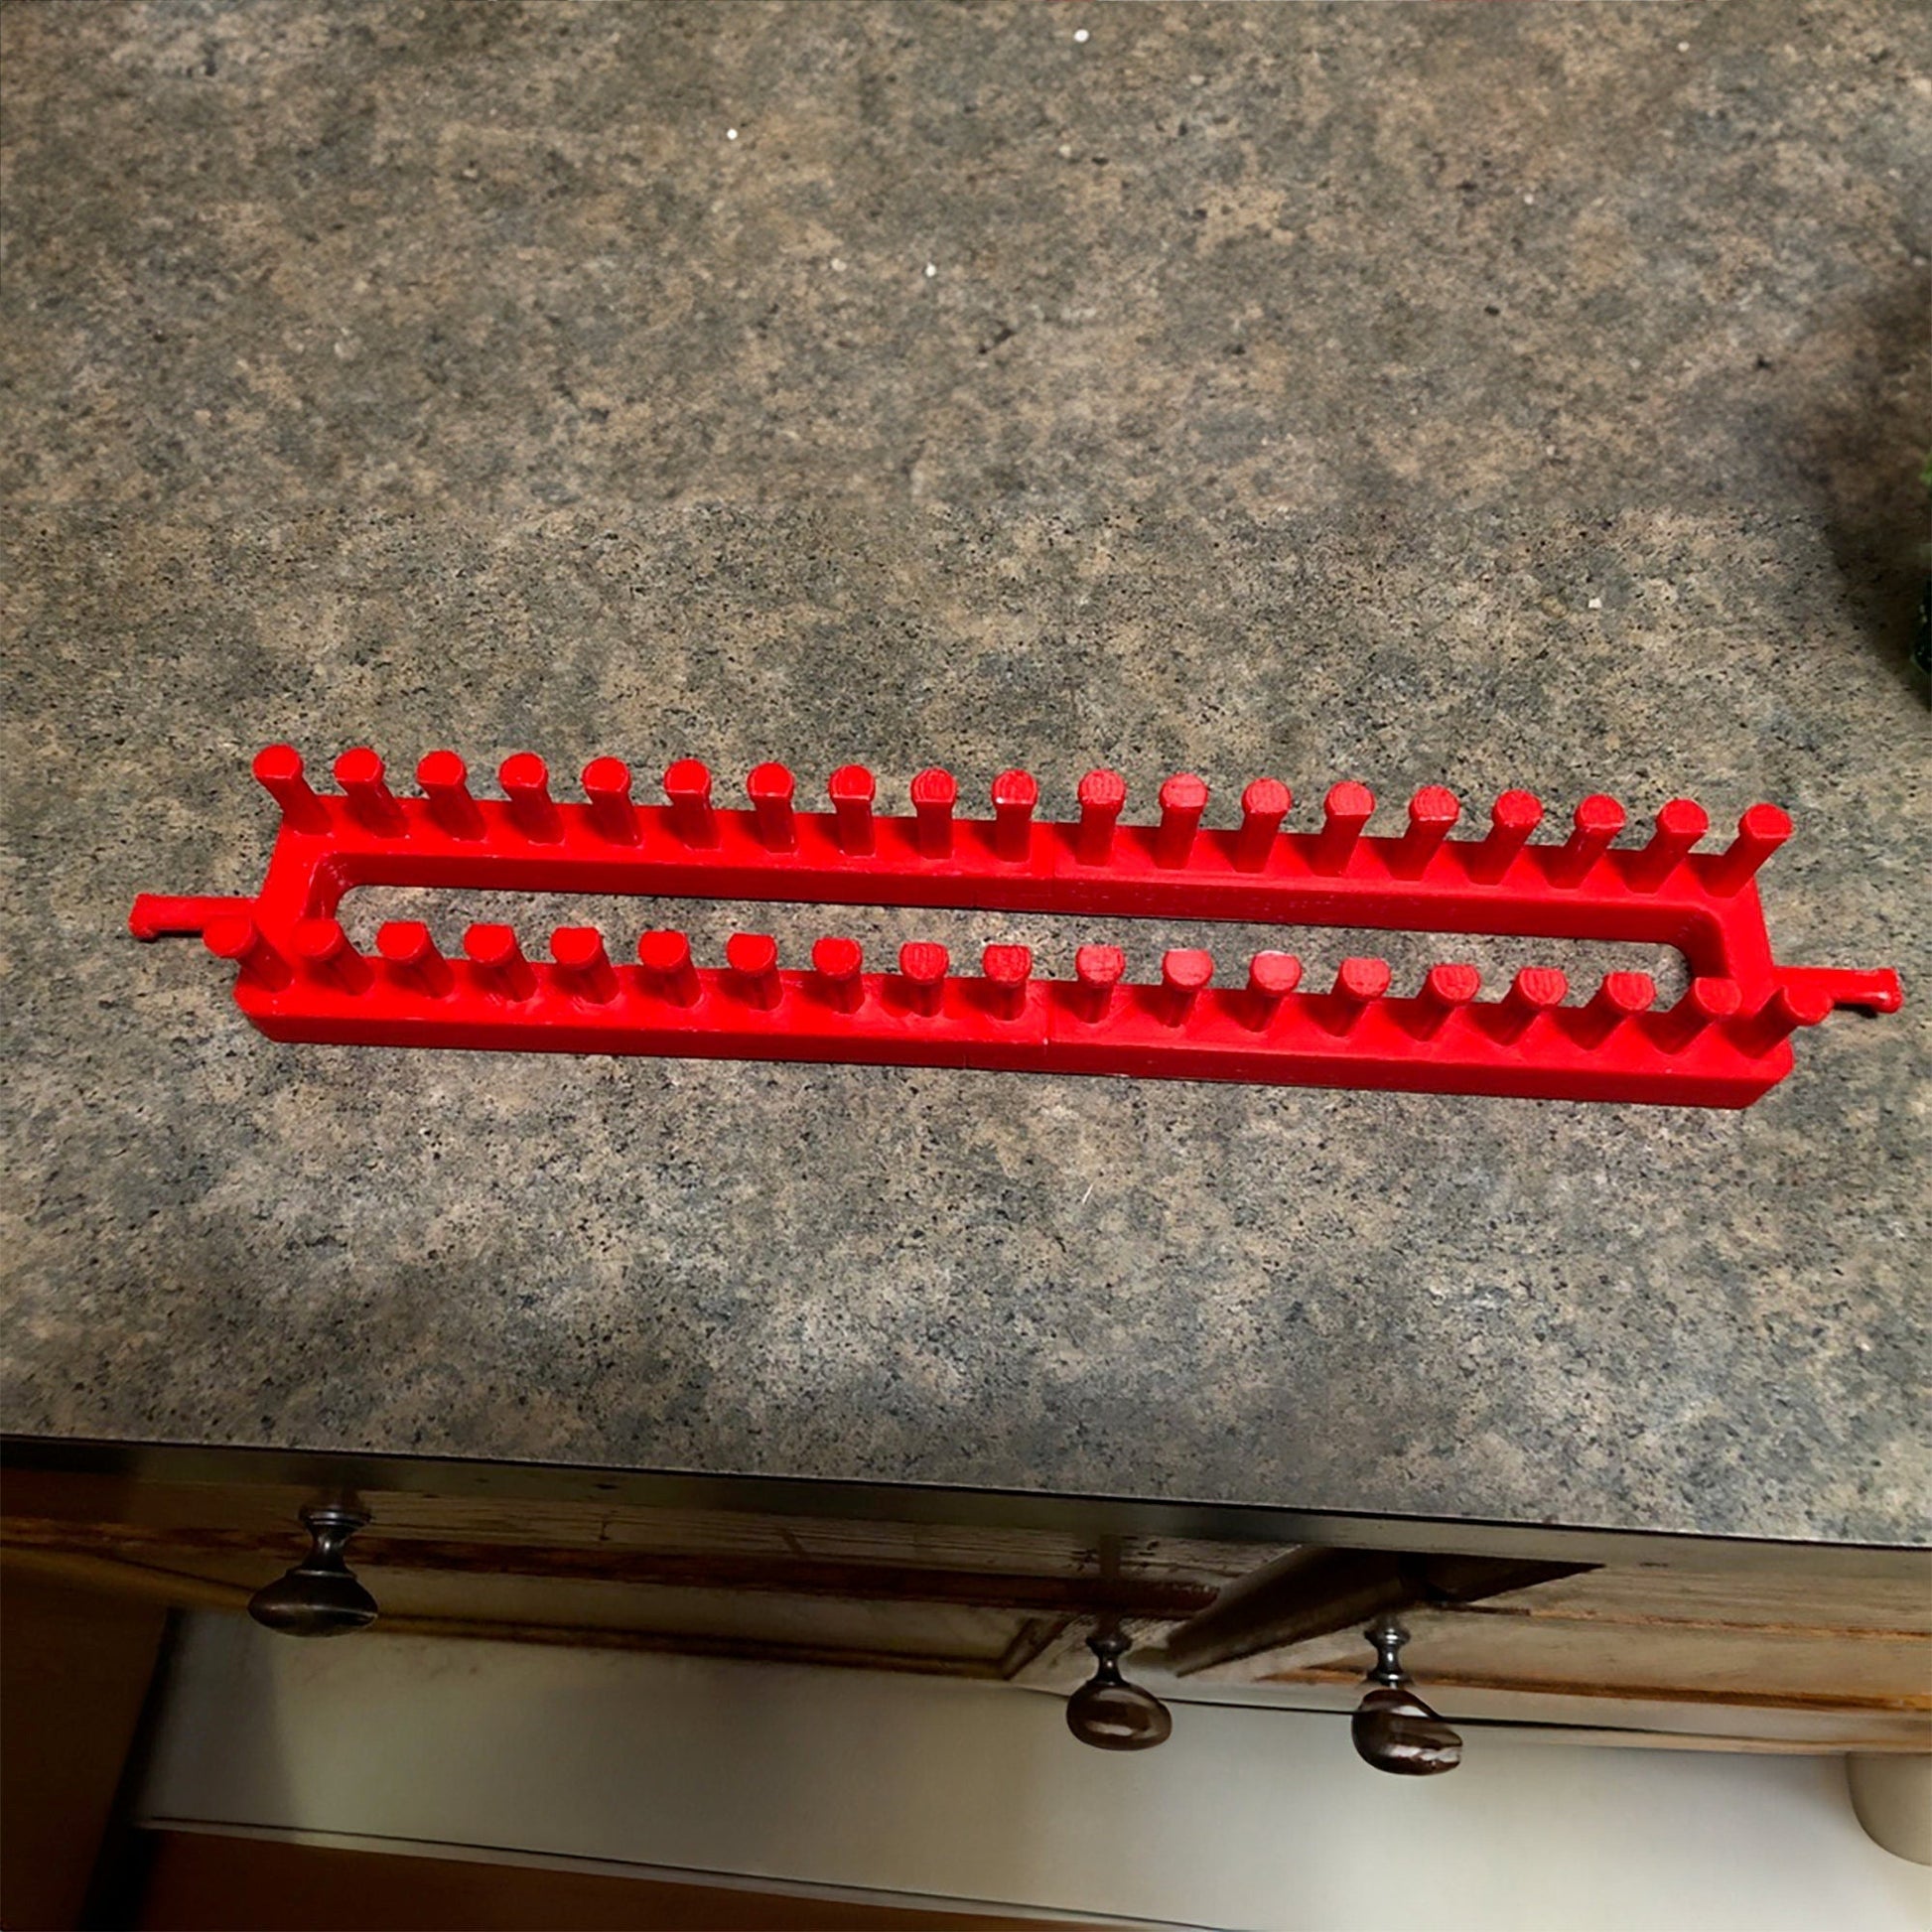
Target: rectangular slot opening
<point>1054,937</point>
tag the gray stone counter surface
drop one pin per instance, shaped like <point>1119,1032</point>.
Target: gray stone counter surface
<point>1488,396</point>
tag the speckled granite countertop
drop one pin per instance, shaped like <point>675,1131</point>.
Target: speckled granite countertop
<point>1491,396</point>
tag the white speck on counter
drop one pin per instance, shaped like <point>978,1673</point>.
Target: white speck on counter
<point>731,134</point>
<point>1529,201</point>
<point>931,271</point>
<point>1080,34</point>
<point>1597,604</point>
<point>1683,46</point>
<point>838,264</point>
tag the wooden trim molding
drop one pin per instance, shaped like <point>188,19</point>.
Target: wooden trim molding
<point>1314,1593</point>
<point>327,1472</point>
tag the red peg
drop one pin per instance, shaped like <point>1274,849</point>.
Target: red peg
<point>1184,972</point>
<point>501,968</point>
<point>1272,977</point>
<point>1102,795</point>
<point>1264,805</point>
<point>1512,818</point>
<point>753,961</point>
<point>1680,825</point>
<point>923,969</point>
<point>1359,983</point>
<point>837,963</point>
<point>1534,990</point>
<point>1015,795</point>
<point>1183,801</point>
<point>665,957</point>
<point>771,788</point>
<point>1446,989</point>
<point>934,794</point>
<point>278,770</point>
<point>1347,809</point>
<point>1788,1009</point>
<point>325,956</point>
<point>1432,812</point>
<point>1096,972</point>
<point>446,784</point>
<point>1861,989</point>
<point>1707,1003</point>
<point>1006,970</point>
<point>1621,997</point>
<point>370,801</point>
<point>606,786</point>
<point>234,937</point>
<point>852,789</point>
<point>411,960</point>
<point>156,914</point>
<point>1761,832</point>
<point>1596,822</point>
<point>583,968</point>
<point>525,779</point>
<point>687,784</point>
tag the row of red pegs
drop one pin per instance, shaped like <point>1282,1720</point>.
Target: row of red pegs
<point>407,961</point>
<point>613,814</point>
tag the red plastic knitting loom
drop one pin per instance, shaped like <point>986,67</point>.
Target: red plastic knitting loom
<point>1722,1044</point>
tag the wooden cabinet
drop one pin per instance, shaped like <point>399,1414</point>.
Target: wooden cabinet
<point>1737,1658</point>
<point>967,1599</point>
<point>1623,1637</point>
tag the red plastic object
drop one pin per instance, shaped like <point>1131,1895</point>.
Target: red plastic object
<point>1722,1044</point>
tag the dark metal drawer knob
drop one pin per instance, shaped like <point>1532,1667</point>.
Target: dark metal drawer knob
<point>321,1596</point>
<point>1393,1729</point>
<point>1111,1713</point>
